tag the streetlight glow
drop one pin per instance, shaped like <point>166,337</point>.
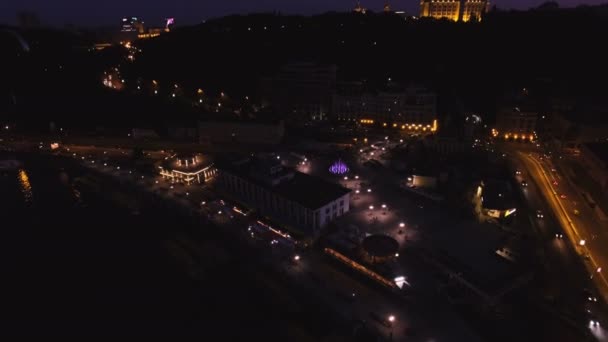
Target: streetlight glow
<point>582,242</point>
<point>391,318</point>
<point>401,225</point>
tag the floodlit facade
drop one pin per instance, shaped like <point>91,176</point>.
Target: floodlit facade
<point>455,10</point>
<point>516,124</point>
<point>413,108</point>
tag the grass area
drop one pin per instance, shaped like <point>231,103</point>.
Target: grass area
<point>589,185</point>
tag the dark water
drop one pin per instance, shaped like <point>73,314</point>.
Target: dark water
<point>76,264</point>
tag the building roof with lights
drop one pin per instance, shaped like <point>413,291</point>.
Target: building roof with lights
<point>187,167</point>
<point>308,191</point>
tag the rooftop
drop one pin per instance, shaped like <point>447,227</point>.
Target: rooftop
<point>470,249</point>
<point>311,192</point>
<point>380,245</point>
<point>183,162</point>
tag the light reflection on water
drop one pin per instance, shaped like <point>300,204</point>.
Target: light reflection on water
<point>26,187</point>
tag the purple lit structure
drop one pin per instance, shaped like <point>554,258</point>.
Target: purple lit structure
<point>338,168</point>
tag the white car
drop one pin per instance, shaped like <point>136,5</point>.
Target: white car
<point>539,214</point>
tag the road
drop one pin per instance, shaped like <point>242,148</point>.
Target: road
<point>582,230</point>
<point>571,276</point>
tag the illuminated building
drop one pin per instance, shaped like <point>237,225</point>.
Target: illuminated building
<point>387,8</point>
<point>456,10</point>
<point>287,196</point>
<point>188,169</point>
<point>359,9</point>
<point>413,108</point>
<point>152,33</point>
<point>132,24</point>
<point>516,123</point>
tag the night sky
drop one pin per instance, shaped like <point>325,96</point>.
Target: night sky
<point>108,12</point>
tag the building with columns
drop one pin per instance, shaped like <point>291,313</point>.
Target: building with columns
<point>188,168</point>
<point>455,10</point>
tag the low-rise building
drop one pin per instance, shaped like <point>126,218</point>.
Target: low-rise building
<point>188,168</point>
<point>413,108</point>
<point>517,124</point>
<point>305,202</point>
<point>495,199</point>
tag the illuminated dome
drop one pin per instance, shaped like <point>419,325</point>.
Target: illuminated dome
<point>338,168</point>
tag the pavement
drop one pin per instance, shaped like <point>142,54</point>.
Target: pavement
<point>332,283</point>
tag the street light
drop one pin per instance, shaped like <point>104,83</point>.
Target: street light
<point>391,318</point>
<point>401,225</point>
<point>383,206</point>
<point>357,191</point>
<point>582,242</point>
<point>371,207</point>
<point>296,258</point>
<point>369,190</point>
<point>356,177</point>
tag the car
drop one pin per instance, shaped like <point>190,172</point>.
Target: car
<point>539,214</point>
<point>589,296</point>
<point>517,172</point>
<point>524,183</point>
<point>593,319</point>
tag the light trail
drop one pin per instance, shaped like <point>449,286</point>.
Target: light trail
<point>565,220</point>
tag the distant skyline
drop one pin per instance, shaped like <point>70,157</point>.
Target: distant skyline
<point>108,12</point>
